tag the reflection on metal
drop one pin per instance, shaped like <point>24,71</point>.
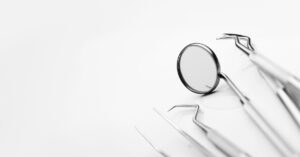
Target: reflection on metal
<point>202,149</point>
<point>285,85</point>
<point>272,135</point>
<point>161,152</point>
<point>290,106</point>
<point>289,82</point>
<point>222,143</point>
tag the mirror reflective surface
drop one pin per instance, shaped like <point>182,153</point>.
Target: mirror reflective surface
<point>198,68</point>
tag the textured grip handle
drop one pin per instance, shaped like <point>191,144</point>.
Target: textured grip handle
<point>226,146</point>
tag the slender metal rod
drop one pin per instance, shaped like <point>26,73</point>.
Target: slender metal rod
<point>218,140</point>
<point>200,147</point>
<point>272,135</point>
<point>202,126</point>
<point>284,98</point>
<point>161,152</point>
<point>241,96</point>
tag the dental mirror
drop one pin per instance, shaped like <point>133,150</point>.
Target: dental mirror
<point>199,70</point>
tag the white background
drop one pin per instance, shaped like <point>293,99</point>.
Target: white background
<point>76,76</point>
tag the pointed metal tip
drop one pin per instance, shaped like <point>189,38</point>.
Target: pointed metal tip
<point>224,36</point>
<point>171,108</point>
<point>220,38</point>
<point>158,150</point>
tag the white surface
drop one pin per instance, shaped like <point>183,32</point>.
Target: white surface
<point>76,76</point>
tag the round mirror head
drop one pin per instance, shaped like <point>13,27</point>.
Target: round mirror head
<point>198,68</point>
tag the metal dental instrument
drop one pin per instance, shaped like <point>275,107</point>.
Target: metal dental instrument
<point>223,144</point>
<point>199,70</point>
<point>291,83</point>
<point>202,149</point>
<point>277,87</point>
<point>161,152</point>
